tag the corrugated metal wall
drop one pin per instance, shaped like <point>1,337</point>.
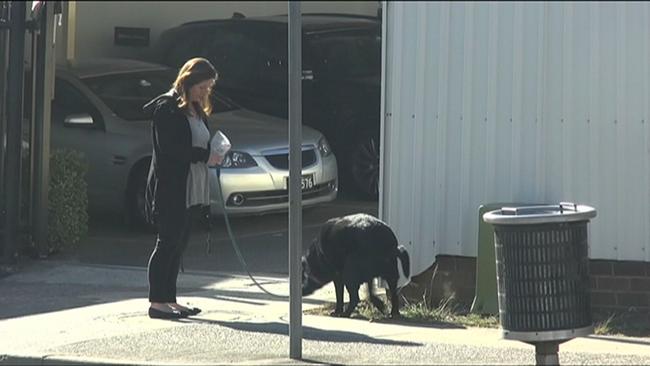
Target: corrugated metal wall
<point>515,102</point>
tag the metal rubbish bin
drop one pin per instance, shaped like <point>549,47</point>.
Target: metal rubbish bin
<point>543,274</point>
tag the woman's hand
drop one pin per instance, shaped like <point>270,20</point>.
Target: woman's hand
<point>214,159</point>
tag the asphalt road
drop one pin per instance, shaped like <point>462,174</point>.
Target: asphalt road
<point>263,240</point>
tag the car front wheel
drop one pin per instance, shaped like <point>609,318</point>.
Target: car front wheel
<point>364,165</point>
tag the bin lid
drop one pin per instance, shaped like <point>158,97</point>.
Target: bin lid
<point>524,215</point>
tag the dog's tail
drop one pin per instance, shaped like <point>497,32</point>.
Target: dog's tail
<point>404,259</point>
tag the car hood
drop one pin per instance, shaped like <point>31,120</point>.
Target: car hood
<point>257,133</point>
<point>249,131</point>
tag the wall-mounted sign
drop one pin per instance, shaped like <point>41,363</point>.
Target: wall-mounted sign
<point>4,12</point>
<point>130,36</point>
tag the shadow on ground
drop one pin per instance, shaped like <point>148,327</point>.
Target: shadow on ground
<point>310,333</point>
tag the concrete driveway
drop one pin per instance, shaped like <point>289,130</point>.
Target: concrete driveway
<point>263,240</point>
<point>94,312</point>
<point>63,313</point>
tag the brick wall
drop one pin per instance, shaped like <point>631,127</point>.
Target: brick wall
<point>620,285</point>
<point>615,285</point>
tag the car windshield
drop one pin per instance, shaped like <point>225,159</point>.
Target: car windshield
<point>125,94</point>
<point>348,54</point>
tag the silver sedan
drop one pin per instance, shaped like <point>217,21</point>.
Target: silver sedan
<point>98,110</point>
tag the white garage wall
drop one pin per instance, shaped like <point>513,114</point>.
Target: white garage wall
<point>96,20</point>
<point>515,102</point>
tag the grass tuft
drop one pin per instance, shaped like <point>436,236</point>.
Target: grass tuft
<point>450,312</point>
<point>629,323</point>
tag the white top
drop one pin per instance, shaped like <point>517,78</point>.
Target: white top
<point>198,180</point>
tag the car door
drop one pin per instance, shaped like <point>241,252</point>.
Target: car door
<point>78,124</point>
<point>270,39</point>
<point>237,58</point>
<point>346,77</point>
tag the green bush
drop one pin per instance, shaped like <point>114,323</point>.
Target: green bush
<point>68,199</point>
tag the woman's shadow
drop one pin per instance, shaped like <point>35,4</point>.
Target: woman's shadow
<point>309,333</point>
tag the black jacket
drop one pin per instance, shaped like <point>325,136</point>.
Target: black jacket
<point>165,196</point>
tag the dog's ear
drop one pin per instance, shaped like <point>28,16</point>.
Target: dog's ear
<point>305,276</point>
<point>303,263</point>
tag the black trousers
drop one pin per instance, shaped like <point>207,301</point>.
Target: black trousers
<point>165,260</point>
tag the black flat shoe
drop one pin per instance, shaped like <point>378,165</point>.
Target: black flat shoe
<point>190,311</point>
<point>159,314</point>
<point>193,311</point>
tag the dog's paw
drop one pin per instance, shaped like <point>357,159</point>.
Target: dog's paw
<point>336,314</point>
<point>379,305</point>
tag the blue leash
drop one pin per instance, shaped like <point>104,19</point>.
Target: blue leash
<point>233,241</point>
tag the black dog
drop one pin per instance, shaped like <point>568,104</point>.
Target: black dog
<point>351,250</point>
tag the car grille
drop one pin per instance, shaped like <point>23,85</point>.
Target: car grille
<point>281,161</point>
<point>278,196</point>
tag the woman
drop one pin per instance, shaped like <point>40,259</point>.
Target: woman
<point>178,183</point>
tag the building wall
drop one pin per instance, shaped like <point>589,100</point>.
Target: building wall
<point>515,102</point>
<point>95,20</point>
<point>621,287</point>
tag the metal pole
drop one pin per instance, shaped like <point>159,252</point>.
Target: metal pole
<point>4,52</point>
<point>384,119</point>
<point>14,128</point>
<point>33,77</point>
<point>43,99</point>
<point>295,170</point>
<point>71,33</point>
<point>546,353</point>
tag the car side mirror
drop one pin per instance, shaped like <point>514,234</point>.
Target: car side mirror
<point>79,119</point>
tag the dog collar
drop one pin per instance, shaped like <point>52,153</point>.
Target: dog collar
<point>316,279</point>
<point>312,277</point>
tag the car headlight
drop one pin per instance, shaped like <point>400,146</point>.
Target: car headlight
<point>238,159</point>
<point>324,147</point>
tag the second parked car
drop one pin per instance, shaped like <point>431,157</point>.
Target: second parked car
<point>97,109</point>
<point>341,77</point>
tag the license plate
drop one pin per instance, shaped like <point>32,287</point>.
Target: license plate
<point>306,182</point>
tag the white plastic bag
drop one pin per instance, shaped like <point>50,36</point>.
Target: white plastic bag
<point>219,147</point>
